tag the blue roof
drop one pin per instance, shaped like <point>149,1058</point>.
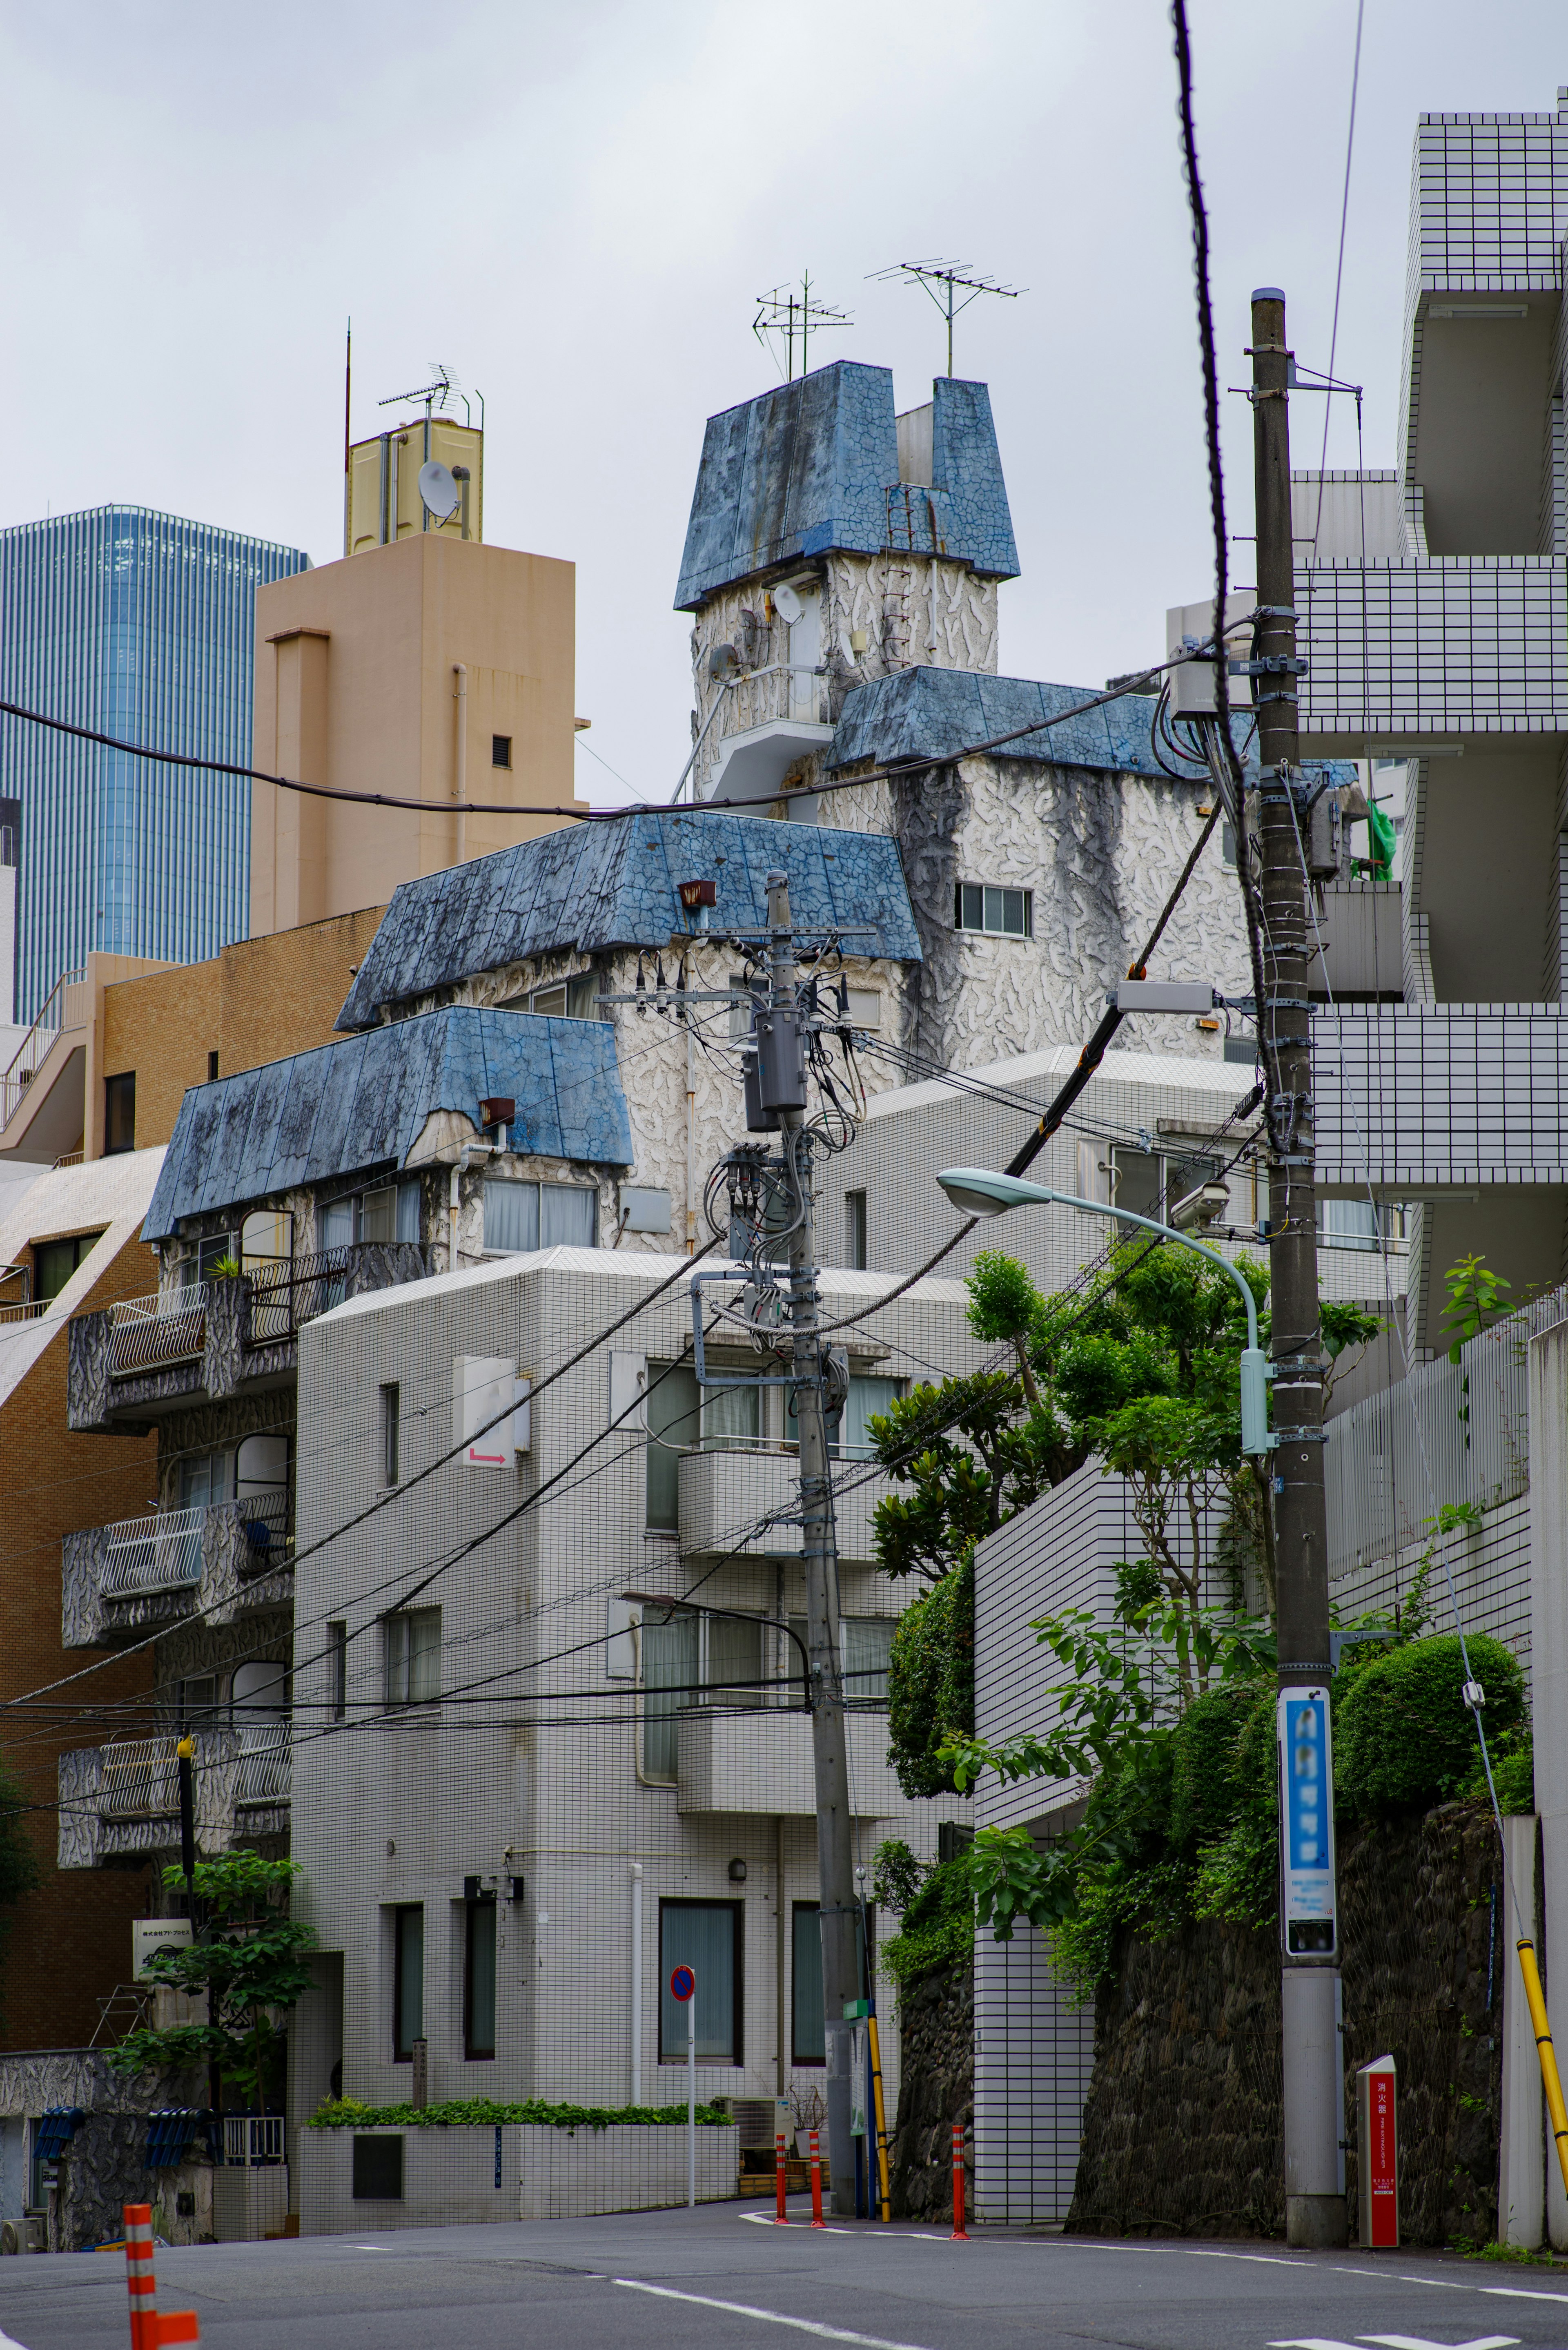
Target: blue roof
<point>930,714</point>
<point>615,883</point>
<point>808,467</point>
<point>346,1109</point>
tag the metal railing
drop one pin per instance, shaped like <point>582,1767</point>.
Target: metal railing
<point>251,2139</point>
<point>140,1780</point>
<point>1449,1433</point>
<point>145,1334</point>
<point>264,1765</point>
<point>266,1533</point>
<point>161,1553</point>
<point>295,1289</point>
<point>58,1012</point>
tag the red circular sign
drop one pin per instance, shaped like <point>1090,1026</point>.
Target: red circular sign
<point>683,1983</point>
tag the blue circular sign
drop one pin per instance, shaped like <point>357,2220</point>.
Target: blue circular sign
<point>683,1983</point>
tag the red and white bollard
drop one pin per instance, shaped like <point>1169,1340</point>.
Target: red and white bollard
<point>148,2331</point>
<point>781,2171</point>
<point>960,2234</point>
<point>817,2218</point>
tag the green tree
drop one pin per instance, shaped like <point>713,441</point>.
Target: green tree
<point>251,1963</point>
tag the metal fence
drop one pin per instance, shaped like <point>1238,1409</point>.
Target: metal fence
<point>253,2139</point>
<point>161,1553</point>
<point>140,1780</point>
<point>1449,1433</point>
<point>147,1332</point>
<point>63,1008</point>
<point>264,1765</point>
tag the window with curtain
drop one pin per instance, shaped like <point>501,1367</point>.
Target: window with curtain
<point>867,1398</point>
<point>378,1215</point>
<point>568,1215</point>
<point>413,1657</point>
<point>409,1211</point>
<point>479,1980</point>
<point>408,1980</point>
<point>732,1660</point>
<point>731,1418</point>
<point>674,1427</point>
<point>337,1223</point>
<point>706,1936</point>
<point>511,1215</point>
<point>669,1673</point>
<point>206,1479</point>
<point>807,2038</point>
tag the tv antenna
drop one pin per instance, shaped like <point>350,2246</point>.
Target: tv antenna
<point>435,394</point>
<point>944,280</point>
<point>783,311</point>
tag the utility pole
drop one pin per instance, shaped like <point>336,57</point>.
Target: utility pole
<point>1313,2055</point>
<point>782,1059</point>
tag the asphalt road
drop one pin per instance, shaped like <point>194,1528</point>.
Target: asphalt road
<point>721,2278</point>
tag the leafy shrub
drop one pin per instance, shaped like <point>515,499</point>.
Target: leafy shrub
<point>348,2112</point>
<point>938,1927</point>
<point>931,1684</point>
<point>1203,1748</point>
<point>1512,1771</point>
<point>1405,1736</point>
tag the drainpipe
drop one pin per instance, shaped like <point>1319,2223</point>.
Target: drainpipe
<point>636,1982</point>
<point>460,670</point>
<point>691,1141</point>
<point>460,1164</point>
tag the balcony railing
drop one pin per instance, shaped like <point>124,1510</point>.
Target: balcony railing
<point>253,2138</point>
<point>161,1553</point>
<point>145,1334</point>
<point>294,1290</point>
<point>140,1780</point>
<point>266,1534</point>
<point>62,1008</point>
<point>264,1766</point>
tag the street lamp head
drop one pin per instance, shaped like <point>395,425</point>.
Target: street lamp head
<point>980,1192</point>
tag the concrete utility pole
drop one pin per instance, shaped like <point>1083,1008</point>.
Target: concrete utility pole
<point>1314,2060</point>
<point>837,1917</point>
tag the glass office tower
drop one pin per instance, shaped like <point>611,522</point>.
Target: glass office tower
<point>140,625</point>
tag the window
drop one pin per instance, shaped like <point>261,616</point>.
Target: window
<point>1226,843</point>
<point>337,1223</point>
<point>674,1426</point>
<point>409,1211</point>
<point>338,1668</point>
<point>266,1238</point>
<point>1151,1183</point>
<point>692,1657</point>
<point>1002,913</point>
<point>216,1249</point>
<point>855,1231</point>
<point>389,1413</point>
<point>731,1418</point>
<point>479,1979</point>
<point>205,1479</point>
<point>413,1657</point>
<point>1358,1224</point>
<point>568,999</point>
<point>500,750</point>
<point>54,1261</point>
<point>377,1217</point>
<point>197,1702</point>
<point>522,1217</point>
<point>807,2037</point>
<point>211,1068</point>
<point>408,1980</point>
<point>119,1113</point>
<point>706,1936</point>
<point>851,1439</point>
<point>865,1649</point>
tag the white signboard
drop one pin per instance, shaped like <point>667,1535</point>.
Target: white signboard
<point>151,1934</point>
<point>1307,1819</point>
<point>490,1411</point>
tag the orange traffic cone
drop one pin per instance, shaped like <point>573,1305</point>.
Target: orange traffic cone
<point>148,2331</point>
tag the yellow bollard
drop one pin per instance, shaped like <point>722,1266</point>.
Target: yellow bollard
<point>1547,2053</point>
<point>880,2118</point>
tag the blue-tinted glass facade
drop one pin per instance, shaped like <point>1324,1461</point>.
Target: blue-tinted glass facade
<point>141,626</point>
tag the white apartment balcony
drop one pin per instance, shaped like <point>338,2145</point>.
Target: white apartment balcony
<point>122,1800</point>
<point>760,1762</point>
<point>726,1497</point>
<point>43,1088</point>
<point>221,1562</point>
<point>1429,1096</point>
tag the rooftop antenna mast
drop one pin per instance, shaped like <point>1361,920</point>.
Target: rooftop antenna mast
<point>784,312</point>
<point>943,281</point>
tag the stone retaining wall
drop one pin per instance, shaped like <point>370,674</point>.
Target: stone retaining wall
<point>936,2025</point>
<point>1182,2127</point>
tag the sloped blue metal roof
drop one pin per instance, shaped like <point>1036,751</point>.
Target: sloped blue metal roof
<point>347,1109</point>
<point>808,467</point>
<point>615,884</point>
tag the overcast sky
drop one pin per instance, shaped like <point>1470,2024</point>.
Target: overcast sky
<point>575,208</point>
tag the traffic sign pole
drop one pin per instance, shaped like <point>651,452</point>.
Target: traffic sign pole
<point>683,1987</point>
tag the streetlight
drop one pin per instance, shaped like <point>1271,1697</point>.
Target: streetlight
<point>980,1192</point>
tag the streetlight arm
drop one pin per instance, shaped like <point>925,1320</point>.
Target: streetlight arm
<point>984,1192</point>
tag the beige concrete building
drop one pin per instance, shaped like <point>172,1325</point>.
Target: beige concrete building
<point>432,669</point>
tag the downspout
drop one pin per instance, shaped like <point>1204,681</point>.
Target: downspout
<point>465,1157</point>
<point>691,1141</point>
<point>460,670</point>
<point>636,1982</point>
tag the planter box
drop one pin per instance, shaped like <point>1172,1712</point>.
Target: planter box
<point>518,2171</point>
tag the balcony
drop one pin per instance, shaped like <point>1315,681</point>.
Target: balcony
<point>146,1357</point>
<point>761,1763</point>
<point>41,1088</point>
<point>1427,1096</point>
<point>122,1800</point>
<point>774,717</point>
<point>223,1561</point>
<point>726,1495</point>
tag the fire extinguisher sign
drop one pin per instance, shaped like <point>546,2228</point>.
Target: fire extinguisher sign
<point>1306,1805</point>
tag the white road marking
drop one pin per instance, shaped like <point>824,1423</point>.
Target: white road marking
<point>767,2316</point>
<point>904,2235</point>
<point>1420,2342</point>
<point>1264,2260</point>
<point>1518,2292</point>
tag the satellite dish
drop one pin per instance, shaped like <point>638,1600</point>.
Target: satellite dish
<point>786,603</point>
<point>437,488</point>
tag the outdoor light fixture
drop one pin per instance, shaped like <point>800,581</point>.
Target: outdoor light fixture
<point>737,1872</point>
<point>981,1191</point>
